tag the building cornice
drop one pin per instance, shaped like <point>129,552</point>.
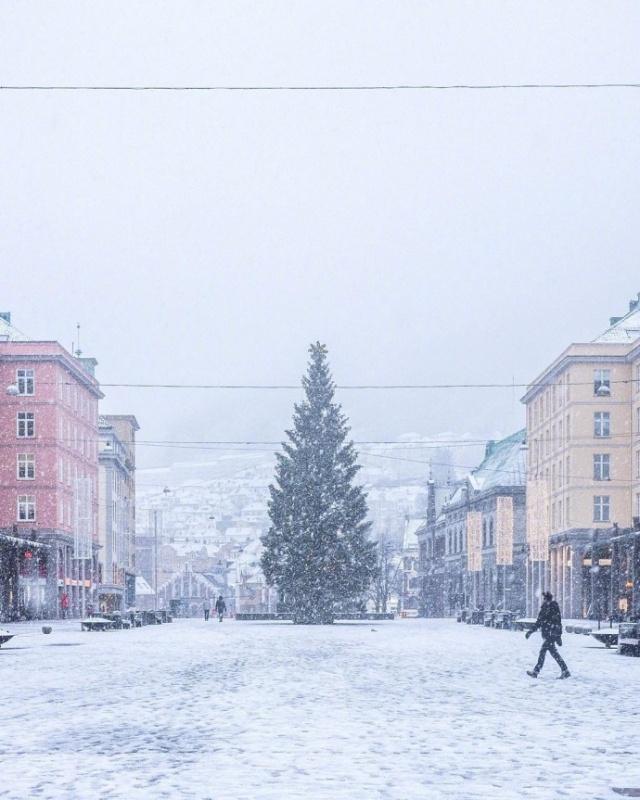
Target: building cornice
<point>548,376</point>
<point>64,360</point>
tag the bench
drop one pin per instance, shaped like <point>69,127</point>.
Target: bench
<point>607,638</point>
<point>95,624</point>
<point>629,638</point>
<point>5,637</point>
<point>524,624</point>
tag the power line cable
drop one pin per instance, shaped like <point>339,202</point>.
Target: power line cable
<point>353,386</point>
<point>392,87</point>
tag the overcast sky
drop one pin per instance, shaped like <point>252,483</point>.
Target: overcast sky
<point>425,237</point>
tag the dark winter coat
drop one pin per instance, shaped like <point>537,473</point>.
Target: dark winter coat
<point>221,606</point>
<point>549,622</point>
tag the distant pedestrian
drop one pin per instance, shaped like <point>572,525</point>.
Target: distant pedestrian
<point>549,623</point>
<point>64,604</point>
<point>206,607</point>
<point>221,607</point>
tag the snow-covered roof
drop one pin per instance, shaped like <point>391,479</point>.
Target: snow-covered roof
<point>9,333</point>
<point>626,329</point>
<point>142,587</point>
<point>504,464</point>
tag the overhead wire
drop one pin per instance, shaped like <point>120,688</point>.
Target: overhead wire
<point>382,87</point>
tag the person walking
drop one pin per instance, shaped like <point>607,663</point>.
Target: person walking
<point>64,605</point>
<point>549,623</point>
<point>206,607</point>
<point>221,607</point>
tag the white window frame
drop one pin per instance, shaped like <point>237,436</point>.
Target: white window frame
<point>23,418</point>
<point>601,421</point>
<point>26,382</point>
<point>601,467</point>
<point>601,379</point>
<point>26,463</point>
<point>602,508</point>
<point>26,510</point>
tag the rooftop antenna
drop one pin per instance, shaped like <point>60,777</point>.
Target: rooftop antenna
<point>78,351</point>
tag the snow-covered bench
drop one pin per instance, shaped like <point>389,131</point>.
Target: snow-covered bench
<point>608,638</point>
<point>629,638</point>
<point>95,624</point>
<point>5,637</point>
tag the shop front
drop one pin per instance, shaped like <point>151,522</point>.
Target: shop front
<point>23,578</point>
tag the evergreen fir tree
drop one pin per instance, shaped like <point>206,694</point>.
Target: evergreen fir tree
<point>317,551</point>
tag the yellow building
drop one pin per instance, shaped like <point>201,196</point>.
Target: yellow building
<point>583,475</point>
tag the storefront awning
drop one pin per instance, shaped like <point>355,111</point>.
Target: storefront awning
<point>26,542</point>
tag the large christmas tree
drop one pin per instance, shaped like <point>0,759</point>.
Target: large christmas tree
<point>317,551</point>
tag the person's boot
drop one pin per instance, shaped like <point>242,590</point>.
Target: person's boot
<point>532,673</point>
<point>564,674</point>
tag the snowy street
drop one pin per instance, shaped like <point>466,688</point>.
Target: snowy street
<point>245,711</point>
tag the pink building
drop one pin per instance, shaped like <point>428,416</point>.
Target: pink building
<point>48,478</point>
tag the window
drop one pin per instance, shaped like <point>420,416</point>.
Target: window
<point>491,533</point>
<point>601,508</point>
<point>26,424</point>
<point>637,463</point>
<point>602,424</point>
<point>25,381</point>
<point>602,467</point>
<point>26,508</point>
<point>26,466</point>
<point>602,381</point>
<point>638,419</point>
<point>637,377</point>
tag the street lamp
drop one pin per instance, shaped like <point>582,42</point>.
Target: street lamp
<point>12,390</point>
<point>155,512</point>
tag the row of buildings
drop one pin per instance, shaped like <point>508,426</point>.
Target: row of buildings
<point>67,485</point>
<point>556,506</point>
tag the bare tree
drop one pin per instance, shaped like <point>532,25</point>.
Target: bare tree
<point>386,576</point>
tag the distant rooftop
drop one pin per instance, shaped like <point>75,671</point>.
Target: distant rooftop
<point>8,332</point>
<point>623,329</point>
<point>504,464</point>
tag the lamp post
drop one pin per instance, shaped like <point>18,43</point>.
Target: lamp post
<point>155,512</point>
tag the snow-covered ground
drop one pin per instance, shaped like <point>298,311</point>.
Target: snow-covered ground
<point>248,711</point>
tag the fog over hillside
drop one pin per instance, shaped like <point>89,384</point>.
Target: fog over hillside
<point>229,488</point>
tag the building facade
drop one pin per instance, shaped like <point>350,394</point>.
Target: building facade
<point>117,514</point>
<point>473,548</point>
<point>583,499</point>
<point>48,478</point>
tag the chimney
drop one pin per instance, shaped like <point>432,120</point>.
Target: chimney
<point>633,304</point>
<point>489,448</point>
<point>6,316</point>
<point>613,321</point>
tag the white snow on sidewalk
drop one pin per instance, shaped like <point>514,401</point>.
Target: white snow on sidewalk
<point>364,711</point>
